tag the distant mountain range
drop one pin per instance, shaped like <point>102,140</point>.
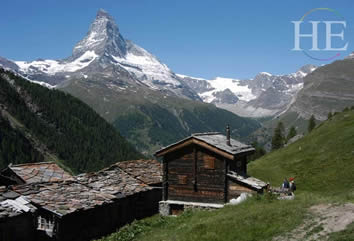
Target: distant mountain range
<point>264,95</point>
<point>152,106</point>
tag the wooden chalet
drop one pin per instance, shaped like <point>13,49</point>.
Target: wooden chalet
<point>206,169</point>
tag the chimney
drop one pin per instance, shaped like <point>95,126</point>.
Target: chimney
<point>228,142</point>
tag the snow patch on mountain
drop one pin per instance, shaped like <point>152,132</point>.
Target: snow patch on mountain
<point>52,67</point>
<point>220,84</point>
<point>186,76</point>
<point>146,67</point>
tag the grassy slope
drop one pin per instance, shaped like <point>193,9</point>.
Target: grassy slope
<point>322,163</point>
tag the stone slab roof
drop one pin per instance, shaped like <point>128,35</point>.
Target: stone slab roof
<point>249,181</point>
<point>213,139</point>
<point>147,171</point>
<point>63,197</point>
<point>40,172</point>
<point>114,181</point>
<point>12,204</point>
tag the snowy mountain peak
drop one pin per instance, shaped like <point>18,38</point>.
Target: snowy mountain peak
<point>307,69</point>
<point>265,73</point>
<point>102,13</point>
<point>103,37</point>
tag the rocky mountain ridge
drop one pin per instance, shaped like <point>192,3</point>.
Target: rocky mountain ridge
<point>264,95</point>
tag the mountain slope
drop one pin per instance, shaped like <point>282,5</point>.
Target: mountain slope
<point>58,125</point>
<point>15,147</point>
<point>150,120</point>
<point>328,89</point>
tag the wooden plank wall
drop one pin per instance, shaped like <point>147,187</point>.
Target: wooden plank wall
<point>208,183</point>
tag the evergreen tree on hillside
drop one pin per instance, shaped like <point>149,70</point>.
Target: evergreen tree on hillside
<point>292,133</point>
<point>260,151</point>
<point>312,124</point>
<point>80,138</point>
<point>278,137</point>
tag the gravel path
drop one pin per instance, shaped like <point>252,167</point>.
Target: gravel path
<point>323,220</point>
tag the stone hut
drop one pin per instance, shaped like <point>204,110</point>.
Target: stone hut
<point>87,206</point>
<point>139,199</point>
<point>67,208</point>
<point>205,170</point>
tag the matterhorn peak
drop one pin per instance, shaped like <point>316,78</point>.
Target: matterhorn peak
<point>103,38</point>
<point>102,13</point>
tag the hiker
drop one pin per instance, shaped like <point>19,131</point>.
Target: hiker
<point>292,185</point>
<point>285,184</point>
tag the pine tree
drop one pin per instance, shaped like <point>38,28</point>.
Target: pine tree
<point>312,124</point>
<point>278,137</point>
<point>292,133</point>
<point>329,116</point>
<point>259,152</point>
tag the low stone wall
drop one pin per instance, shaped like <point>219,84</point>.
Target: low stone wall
<point>167,208</point>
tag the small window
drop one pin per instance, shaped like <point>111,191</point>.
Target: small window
<point>239,164</point>
<point>209,162</point>
<point>45,224</point>
<point>182,179</point>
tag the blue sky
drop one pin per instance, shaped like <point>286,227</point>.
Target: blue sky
<point>202,38</point>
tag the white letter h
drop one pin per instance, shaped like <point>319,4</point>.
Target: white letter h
<point>314,35</point>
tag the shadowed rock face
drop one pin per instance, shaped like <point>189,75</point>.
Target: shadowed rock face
<point>225,96</point>
<point>103,37</point>
<point>7,64</point>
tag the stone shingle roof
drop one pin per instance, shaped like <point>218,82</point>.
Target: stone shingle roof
<point>249,181</point>
<point>216,140</point>
<point>86,191</point>
<point>40,172</point>
<point>219,141</point>
<point>12,204</point>
<point>63,197</point>
<point>114,181</point>
<point>147,171</point>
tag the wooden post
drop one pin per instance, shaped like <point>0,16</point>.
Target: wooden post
<point>195,167</point>
<point>226,186</point>
<point>165,179</point>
